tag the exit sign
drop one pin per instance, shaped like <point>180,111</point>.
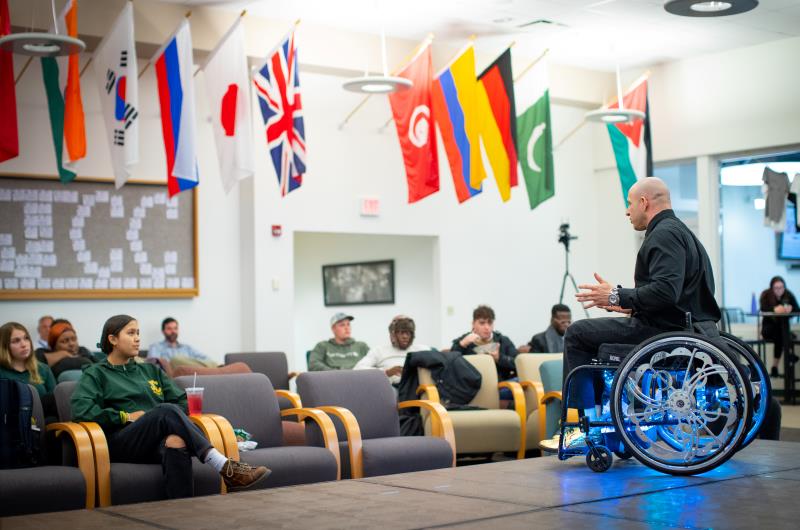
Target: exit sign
<point>370,206</point>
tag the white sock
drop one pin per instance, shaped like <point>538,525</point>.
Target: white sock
<point>215,459</point>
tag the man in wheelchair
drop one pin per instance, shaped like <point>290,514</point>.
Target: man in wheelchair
<point>673,277</point>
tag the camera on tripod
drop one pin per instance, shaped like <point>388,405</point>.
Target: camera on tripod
<point>564,237</point>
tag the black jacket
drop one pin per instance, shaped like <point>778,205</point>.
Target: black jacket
<point>673,276</point>
<point>456,379</point>
<point>538,343</point>
<point>506,369</point>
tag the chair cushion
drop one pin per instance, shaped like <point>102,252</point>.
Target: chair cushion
<point>488,396</point>
<point>247,401</point>
<point>41,489</point>
<point>404,454</point>
<point>485,431</point>
<point>294,433</point>
<point>292,465</point>
<point>377,416</point>
<point>235,368</point>
<point>145,482</point>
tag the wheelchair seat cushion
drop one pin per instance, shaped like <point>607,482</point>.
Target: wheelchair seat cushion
<point>614,353</point>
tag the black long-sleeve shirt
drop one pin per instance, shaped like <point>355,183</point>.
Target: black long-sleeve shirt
<point>506,368</point>
<point>673,276</point>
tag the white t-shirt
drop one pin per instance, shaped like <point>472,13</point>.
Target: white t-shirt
<point>384,357</point>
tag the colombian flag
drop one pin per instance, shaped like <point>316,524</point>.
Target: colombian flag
<point>456,112</point>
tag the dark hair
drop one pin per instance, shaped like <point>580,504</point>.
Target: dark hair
<point>483,312</point>
<point>113,326</point>
<point>559,308</point>
<point>166,321</point>
<point>60,321</point>
<point>776,279</point>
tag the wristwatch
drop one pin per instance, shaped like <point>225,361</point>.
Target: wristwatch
<point>613,298</point>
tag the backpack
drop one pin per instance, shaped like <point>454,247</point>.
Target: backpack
<point>19,434</point>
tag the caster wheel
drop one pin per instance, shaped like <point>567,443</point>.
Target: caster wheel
<point>599,459</point>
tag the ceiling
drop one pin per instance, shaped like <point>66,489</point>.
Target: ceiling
<point>586,33</point>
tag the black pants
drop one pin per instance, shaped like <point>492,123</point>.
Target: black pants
<point>142,442</point>
<point>773,332</point>
<point>581,342</point>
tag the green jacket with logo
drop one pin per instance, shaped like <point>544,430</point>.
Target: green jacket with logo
<point>330,355</point>
<point>105,390</point>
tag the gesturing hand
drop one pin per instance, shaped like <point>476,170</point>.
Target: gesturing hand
<point>594,295</point>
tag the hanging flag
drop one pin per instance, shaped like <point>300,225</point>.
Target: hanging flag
<point>534,136</point>
<point>499,122</point>
<point>455,110</point>
<point>62,82</point>
<point>412,116</point>
<point>174,65</point>
<point>631,140</point>
<point>228,86</point>
<point>278,87</point>
<point>9,134</point>
<point>116,73</point>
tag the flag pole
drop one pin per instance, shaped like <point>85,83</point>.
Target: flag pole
<point>532,64</point>
<point>21,72</point>
<point>146,66</point>
<point>85,66</point>
<point>407,58</point>
<point>633,85</point>
<point>224,37</point>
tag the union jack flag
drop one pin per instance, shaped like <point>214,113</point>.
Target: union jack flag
<point>278,88</point>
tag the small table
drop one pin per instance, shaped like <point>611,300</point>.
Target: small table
<point>789,380</point>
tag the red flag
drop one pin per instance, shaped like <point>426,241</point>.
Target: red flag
<point>9,141</point>
<point>412,115</point>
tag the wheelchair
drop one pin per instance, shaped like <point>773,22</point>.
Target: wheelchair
<point>680,403</point>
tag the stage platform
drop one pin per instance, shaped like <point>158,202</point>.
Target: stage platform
<point>758,488</point>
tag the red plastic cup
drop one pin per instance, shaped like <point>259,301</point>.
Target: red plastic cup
<point>195,398</point>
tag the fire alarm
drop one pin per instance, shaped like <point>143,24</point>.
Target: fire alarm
<point>276,230</point>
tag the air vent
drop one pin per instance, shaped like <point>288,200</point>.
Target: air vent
<point>541,22</point>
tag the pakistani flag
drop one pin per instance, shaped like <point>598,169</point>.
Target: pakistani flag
<point>534,134</point>
<point>631,140</point>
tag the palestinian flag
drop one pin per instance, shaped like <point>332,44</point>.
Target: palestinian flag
<point>631,140</point>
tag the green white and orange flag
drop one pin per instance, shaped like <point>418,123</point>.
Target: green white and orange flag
<point>62,85</point>
<point>631,140</point>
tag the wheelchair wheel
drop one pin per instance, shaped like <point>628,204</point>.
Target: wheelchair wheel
<point>599,459</point>
<point>680,404</point>
<point>759,380</point>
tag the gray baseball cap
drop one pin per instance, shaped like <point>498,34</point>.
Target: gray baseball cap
<point>337,317</point>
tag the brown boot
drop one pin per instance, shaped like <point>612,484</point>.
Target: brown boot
<point>239,476</point>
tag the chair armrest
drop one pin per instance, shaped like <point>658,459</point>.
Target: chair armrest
<point>291,396</point>
<point>327,428</point>
<point>292,375</point>
<point>102,462</point>
<point>83,451</point>
<point>572,414</point>
<point>550,396</point>
<point>212,434</point>
<point>441,423</point>
<point>431,391</point>
<point>353,432</point>
<point>537,389</point>
<point>226,433</point>
<point>519,407</point>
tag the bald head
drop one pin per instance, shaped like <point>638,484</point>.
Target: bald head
<point>646,199</point>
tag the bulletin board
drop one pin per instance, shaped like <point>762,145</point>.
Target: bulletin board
<point>87,239</point>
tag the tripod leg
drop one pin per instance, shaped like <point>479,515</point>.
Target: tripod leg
<point>563,285</point>
<point>575,285</point>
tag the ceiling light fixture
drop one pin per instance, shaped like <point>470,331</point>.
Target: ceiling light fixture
<point>618,115</point>
<point>709,8</point>
<point>378,84</point>
<point>39,44</point>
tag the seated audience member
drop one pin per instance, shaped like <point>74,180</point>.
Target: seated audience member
<point>43,329</point>
<point>391,357</point>
<point>143,415</point>
<point>484,339</point>
<point>776,299</point>
<point>340,352</point>
<point>18,362</point>
<point>177,353</point>
<point>64,353</point>
<point>551,340</point>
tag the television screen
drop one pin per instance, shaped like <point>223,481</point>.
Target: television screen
<point>789,241</point>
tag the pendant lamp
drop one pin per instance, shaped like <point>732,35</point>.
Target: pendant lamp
<point>618,115</point>
<point>378,84</point>
<point>709,8</point>
<point>39,44</point>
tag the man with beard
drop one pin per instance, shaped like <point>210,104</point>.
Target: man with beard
<point>391,357</point>
<point>169,349</point>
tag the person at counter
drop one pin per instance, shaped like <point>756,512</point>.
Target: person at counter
<point>776,299</point>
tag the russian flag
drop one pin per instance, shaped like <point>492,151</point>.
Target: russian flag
<point>174,65</point>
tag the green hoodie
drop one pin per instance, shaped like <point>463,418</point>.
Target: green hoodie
<point>330,355</point>
<point>105,390</point>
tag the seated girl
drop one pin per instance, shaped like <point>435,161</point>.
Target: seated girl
<point>18,362</point>
<point>143,415</point>
<point>65,353</point>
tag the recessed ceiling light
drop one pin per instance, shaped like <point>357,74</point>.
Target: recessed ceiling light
<point>502,20</point>
<point>709,8</point>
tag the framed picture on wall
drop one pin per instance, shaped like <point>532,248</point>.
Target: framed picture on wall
<point>370,282</point>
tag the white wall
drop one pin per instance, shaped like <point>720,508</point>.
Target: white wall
<point>416,288</point>
<point>219,305</point>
